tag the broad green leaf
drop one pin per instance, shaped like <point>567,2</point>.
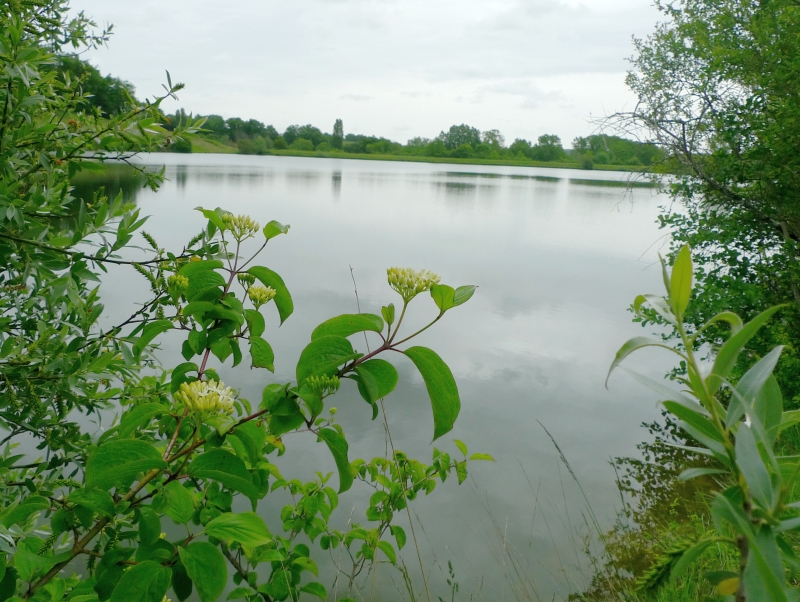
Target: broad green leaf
<point>178,375</point>
<point>149,526</point>
<point>729,352</point>
<point>399,536</point>
<point>213,217</point>
<point>181,583</point>
<point>262,354</point>
<point>139,417</point>
<point>752,466</point>
<point>348,324</point>
<point>246,528</point>
<point>31,566</point>
<point>255,322</point>
<point>680,284</point>
<point>195,267</point>
<point>23,511</point>
<point>207,568</point>
<point>441,387</point>
<point>388,549</point>
<point>151,331</point>
<point>96,500</point>
<point>306,564</point>
<point>376,379</point>
<point>179,505</point>
<point>205,286</point>
<point>283,300</point>
<point>338,446</point>
<point>117,463</point>
<point>252,438</point>
<point>273,229</point>
<point>632,345</point>
<point>463,294</point>
<point>222,466</point>
<point>462,447</point>
<point>324,356</point>
<point>693,473</point>
<point>387,311</point>
<point>239,592</point>
<point>443,296</point>
<point>147,581</point>
<point>315,589</point>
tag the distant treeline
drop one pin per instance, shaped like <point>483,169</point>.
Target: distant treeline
<point>252,137</point>
<point>108,95</point>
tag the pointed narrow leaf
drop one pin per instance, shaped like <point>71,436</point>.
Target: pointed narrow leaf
<point>680,283</point>
<point>632,345</point>
<point>686,560</point>
<point>752,466</point>
<point>441,386</point>
<point>693,473</point>
<point>338,446</point>
<point>283,300</point>
<point>348,324</point>
<point>729,352</point>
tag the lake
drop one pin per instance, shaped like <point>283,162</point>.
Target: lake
<point>558,256</point>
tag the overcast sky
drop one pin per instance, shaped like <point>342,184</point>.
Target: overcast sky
<point>394,68</point>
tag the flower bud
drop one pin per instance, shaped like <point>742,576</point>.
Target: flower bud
<point>246,279</point>
<point>206,397</point>
<point>408,283</point>
<point>241,226</point>
<point>180,283</point>
<point>260,295</point>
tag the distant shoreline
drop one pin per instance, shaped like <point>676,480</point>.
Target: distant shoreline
<point>206,146</point>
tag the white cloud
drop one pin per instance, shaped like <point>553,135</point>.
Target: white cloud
<point>523,66</point>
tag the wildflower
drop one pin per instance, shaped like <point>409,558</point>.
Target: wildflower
<point>245,279</point>
<point>409,283</point>
<point>206,397</point>
<point>178,282</point>
<point>260,295</point>
<point>241,226</point>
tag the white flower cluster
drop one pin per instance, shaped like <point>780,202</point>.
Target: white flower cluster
<point>260,295</point>
<point>241,226</point>
<point>409,283</point>
<point>206,397</point>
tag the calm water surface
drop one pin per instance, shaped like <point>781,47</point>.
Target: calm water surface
<point>558,255</point>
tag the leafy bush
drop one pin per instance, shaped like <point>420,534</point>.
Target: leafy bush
<point>301,144</point>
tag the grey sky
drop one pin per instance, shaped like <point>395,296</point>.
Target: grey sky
<point>397,68</point>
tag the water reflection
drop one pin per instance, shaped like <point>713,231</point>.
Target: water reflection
<point>557,265</point>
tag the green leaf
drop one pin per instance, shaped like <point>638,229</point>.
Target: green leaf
<point>443,296</point>
<point>461,447</point>
<point>315,589</point>
<point>324,356</point>
<point>695,419</point>
<point>306,564</point>
<point>338,446</point>
<point>485,457</point>
<point>151,331</point>
<point>693,473</point>
<point>221,348</point>
<point>255,322</point>
<point>348,324</point>
<point>387,311</point>
<point>149,526</point>
<point>195,267</point>
<point>388,549</point>
<point>213,217</point>
<point>680,284</point>
<point>283,300</point>
<point>632,345</point>
<point>246,528</point>
<point>687,558</point>
<point>181,583</point>
<point>252,438</point>
<point>273,229</point>
<point>262,354</point>
<point>117,463</point>
<point>200,283</point>
<point>376,379</point>
<point>790,419</point>
<point>441,387</point>
<point>24,510</point>
<point>752,467</point>
<point>147,581</point>
<point>222,466</point>
<point>207,569</point>
<point>399,536</point>
<point>729,352</point>
<point>178,375</point>
<point>463,294</point>
<point>140,416</point>
<point>179,502</point>
<point>96,500</point>
<point>239,592</point>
